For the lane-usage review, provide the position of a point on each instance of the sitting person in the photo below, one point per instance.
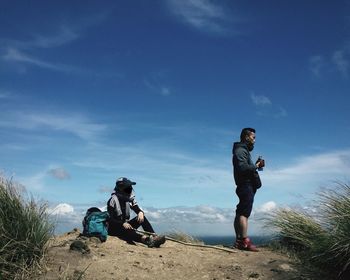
(118, 206)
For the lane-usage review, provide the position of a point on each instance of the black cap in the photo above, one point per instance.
(125, 182)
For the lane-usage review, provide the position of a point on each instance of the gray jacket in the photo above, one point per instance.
(244, 170)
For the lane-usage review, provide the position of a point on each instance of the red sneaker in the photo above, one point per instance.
(246, 244)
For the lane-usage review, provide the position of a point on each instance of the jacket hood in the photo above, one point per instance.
(242, 145)
(124, 196)
(239, 145)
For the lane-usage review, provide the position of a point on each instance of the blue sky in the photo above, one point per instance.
(158, 90)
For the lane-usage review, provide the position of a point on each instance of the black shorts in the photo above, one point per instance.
(246, 195)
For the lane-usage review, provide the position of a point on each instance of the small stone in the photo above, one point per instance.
(80, 246)
(254, 275)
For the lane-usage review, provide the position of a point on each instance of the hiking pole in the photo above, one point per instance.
(187, 243)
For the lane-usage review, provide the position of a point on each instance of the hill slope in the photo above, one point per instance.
(116, 259)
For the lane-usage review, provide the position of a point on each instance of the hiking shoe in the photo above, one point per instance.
(155, 241)
(237, 243)
(245, 244)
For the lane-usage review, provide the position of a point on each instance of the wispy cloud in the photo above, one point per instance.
(265, 107)
(14, 55)
(203, 15)
(22, 53)
(59, 173)
(316, 63)
(64, 36)
(338, 61)
(157, 88)
(341, 62)
(260, 100)
(310, 171)
(77, 125)
(4, 94)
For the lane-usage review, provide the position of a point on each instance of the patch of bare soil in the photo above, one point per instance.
(116, 259)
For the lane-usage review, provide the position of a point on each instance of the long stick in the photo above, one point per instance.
(189, 244)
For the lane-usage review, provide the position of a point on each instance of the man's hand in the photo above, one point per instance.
(260, 163)
(140, 217)
(127, 226)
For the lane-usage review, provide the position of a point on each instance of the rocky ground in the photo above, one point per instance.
(116, 259)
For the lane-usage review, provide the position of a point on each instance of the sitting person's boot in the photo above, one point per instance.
(155, 241)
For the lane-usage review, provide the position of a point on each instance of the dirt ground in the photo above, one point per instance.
(116, 259)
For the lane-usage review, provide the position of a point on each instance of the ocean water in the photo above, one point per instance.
(229, 240)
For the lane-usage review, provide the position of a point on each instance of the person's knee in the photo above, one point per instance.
(244, 209)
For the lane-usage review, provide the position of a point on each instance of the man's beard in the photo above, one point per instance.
(250, 146)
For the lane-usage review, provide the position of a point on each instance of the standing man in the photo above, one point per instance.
(247, 181)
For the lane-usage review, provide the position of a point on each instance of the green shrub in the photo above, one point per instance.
(322, 241)
(24, 231)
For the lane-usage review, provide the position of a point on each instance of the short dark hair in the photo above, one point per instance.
(245, 132)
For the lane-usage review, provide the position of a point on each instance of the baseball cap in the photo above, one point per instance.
(123, 181)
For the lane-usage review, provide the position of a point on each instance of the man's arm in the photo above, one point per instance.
(115, 210)
(243, 162)
(135, 207)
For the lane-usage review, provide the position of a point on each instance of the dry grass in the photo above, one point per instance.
(320, 242)
(24, 232)
(184, 237)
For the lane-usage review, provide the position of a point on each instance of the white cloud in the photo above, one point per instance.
(62, 209)
(203, 15)
(309, 171)
(198, 220)
(194, 215)
(267, 207)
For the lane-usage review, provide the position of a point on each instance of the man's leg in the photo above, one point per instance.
(241, 226)
(146, 225)
(152, 240)
(244, 208)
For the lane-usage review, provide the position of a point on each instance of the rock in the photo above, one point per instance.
(286, 267)
(79, 246)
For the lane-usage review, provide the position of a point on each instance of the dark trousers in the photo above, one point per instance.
(246, 195)
(129, 234)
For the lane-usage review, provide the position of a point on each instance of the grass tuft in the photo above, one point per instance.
(321, 242)
(24, 231)
(184, 237)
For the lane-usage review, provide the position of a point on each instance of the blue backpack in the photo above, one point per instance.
(95, 223)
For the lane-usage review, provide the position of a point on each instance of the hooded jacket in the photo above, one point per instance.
(244, 170)
(119, 205)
